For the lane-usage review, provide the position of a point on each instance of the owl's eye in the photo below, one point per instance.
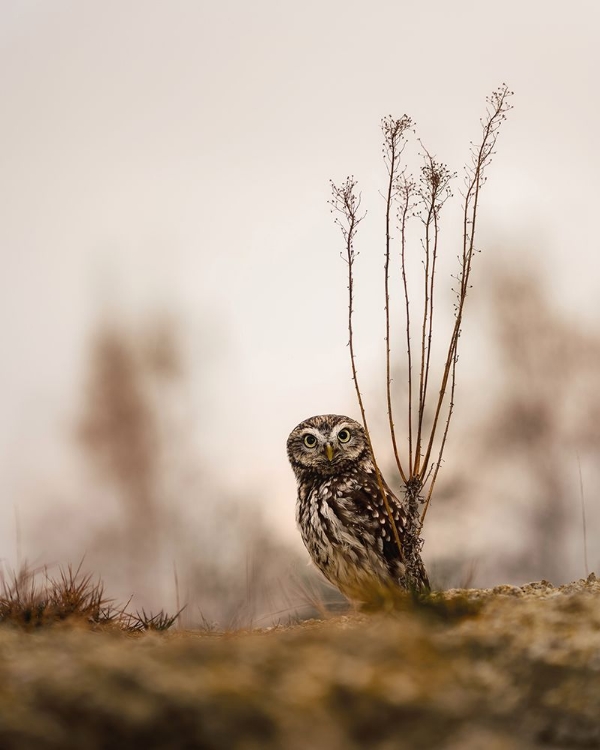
(344, 436)
(310, 441)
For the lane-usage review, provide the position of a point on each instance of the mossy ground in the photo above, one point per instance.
(521, 669)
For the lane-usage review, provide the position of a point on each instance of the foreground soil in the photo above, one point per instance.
(501, 668)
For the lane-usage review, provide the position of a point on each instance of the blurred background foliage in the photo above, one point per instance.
(154, 520)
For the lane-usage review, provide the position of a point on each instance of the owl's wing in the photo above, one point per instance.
(374, 517)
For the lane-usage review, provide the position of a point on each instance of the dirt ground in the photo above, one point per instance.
(478, 669)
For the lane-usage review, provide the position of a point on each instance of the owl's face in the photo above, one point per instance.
(327, 444)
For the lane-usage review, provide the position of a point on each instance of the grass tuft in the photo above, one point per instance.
(31, 598)
(144, 621)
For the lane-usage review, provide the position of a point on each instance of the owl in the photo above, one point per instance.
(342, 517)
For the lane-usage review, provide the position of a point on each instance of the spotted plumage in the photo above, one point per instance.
(341, 514)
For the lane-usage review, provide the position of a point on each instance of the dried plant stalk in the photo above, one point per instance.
(346, 202)
(394, 132)
(481, 156)
(424, 199)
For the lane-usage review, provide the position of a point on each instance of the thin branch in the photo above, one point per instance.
(427, 199)
(433, 193)
(347, 203)
(480, 158)
(442, 446)
(440, 178)
(393, 145)
(406, 188)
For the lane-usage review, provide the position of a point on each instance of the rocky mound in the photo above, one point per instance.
(500, 668)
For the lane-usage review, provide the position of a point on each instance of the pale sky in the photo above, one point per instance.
(176, 155)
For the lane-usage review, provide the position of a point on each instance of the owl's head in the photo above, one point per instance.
(327, 444)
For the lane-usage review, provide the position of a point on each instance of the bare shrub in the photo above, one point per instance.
(427, 417)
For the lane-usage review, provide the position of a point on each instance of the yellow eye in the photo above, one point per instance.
(344, 436)
(310, 440)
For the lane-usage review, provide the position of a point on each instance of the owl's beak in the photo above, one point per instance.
(329, 451)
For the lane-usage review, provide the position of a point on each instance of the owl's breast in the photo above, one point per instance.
(340, 536)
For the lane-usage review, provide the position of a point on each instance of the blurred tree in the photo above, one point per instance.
(177, 527)
(120, 430)
(547, 415)
(511, 500)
